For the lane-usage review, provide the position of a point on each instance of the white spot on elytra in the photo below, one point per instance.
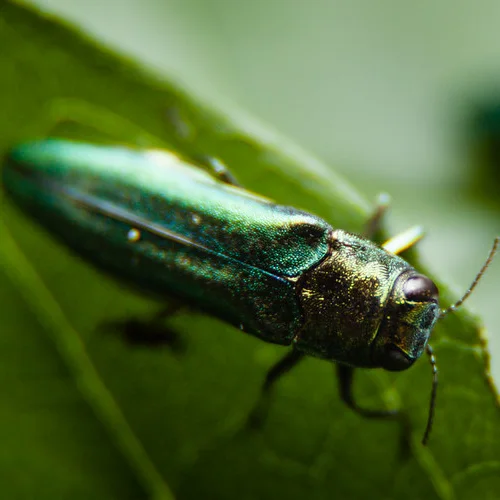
(134, 235)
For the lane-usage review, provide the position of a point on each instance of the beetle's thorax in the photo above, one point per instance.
(343, 299)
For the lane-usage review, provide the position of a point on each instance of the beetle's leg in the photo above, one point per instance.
(283, 366)
(186, 135)
(403, 241)
(399, 243)
(217, 168)
(152, 332)
(61, 116)
(345, 376)
(374, 223)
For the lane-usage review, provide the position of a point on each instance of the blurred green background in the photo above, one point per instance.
(382, 91)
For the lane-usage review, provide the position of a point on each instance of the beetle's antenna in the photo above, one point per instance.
(479, 275)
(432, 405)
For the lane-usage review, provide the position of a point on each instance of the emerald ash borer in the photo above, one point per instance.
(177, 228)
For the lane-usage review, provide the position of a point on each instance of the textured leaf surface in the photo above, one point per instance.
(84, 415)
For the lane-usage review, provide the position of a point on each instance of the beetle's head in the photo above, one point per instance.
(410, 314)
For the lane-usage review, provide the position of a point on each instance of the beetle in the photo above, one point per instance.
(171, 226)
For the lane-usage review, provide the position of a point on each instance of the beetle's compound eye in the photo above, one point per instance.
(419, 288)
(394, 359)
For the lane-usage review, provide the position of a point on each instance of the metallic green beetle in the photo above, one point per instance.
(168, 226)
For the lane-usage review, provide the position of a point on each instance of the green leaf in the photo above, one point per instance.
(83, 415)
